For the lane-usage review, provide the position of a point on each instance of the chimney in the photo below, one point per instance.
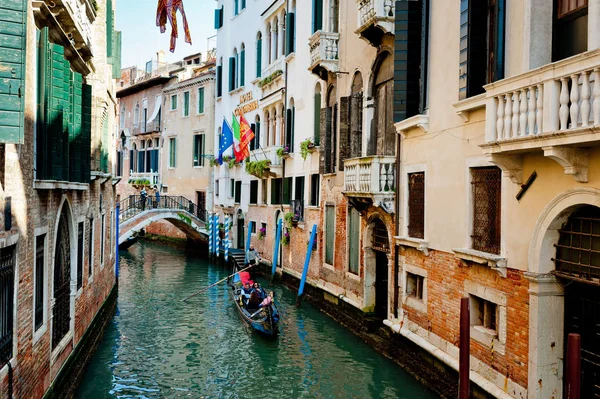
(160, 57)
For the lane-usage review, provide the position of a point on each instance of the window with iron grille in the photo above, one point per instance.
(254, 192)
(91, 247)
(7, 290)
(380, 237)
(416, 205)
(484, 314)
(79, 255)
(486, 196)
(40, 255)
(61, 312)
(578, 247)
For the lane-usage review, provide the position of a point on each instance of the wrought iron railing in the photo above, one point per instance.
(135, 204)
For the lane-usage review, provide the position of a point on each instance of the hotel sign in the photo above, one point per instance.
(247, 104)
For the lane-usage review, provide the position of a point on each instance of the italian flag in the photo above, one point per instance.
(242, 135)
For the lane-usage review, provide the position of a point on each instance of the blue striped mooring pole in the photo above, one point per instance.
(276, 249)
(311, 243)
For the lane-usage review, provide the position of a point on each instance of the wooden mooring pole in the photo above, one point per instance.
(574, 366)
(465, 338)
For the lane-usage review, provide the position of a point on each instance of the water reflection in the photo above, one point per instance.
(157, 346)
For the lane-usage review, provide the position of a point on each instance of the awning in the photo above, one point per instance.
(156, 109)
(126, 132)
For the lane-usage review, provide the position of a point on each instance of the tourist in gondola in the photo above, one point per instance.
(245, 293)
(253, 302)
(259, 291)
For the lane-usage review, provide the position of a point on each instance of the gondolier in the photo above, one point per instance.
(252, 256)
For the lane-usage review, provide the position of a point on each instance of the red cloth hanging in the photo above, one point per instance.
(168, 9)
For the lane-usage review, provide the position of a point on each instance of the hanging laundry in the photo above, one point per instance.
(168, 8)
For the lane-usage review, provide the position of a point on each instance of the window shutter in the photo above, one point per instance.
(288, 128)
(499, 33)
(76, 141)
(86, 132)
(242, 67)
(289, 33)
(356, 110)
(317, 119)
(322, 115)
(258, 57)
(231, 73)
(116, 60)
(257, 136)
(221, 17)
(407, 53)
(13, 15)
(56, 108)
(131, 160)
(344, 141)
(201, 100)
(287, 191)
(328, 138)
(317, 15)
(42, 144)
(219, 81)
(217, 18)
(243, 4)
(292, 145)
(473, 48)
(109, 30)
(253, 142)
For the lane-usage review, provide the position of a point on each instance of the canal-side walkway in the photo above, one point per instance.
(158, 347)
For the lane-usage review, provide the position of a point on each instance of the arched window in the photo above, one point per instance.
(242, 66)
(268, 128)
(356, 117)
(275, 43)
(383, 137)
(289, 124)
(281, 33)
(255, 144)
(136, 115)
(233, 61)
(61, 317)
(258, 54)
(330, 139)
(317, 114)
(269, 39)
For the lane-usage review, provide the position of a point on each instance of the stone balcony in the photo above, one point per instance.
(554, 110)
(371, 181)
(70, 23)
(150, 127)
(152, 177)
(375, 19)
(324, 56)
(269, 153)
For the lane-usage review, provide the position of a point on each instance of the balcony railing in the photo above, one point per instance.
(76, 16)
(324, 53)
(561, 97)
(555, 108)
(375, 18)
(150, 127)
(151, 177)
(370, 175)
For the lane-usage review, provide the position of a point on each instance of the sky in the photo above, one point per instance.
(142, 38)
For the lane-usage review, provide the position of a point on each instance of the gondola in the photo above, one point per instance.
(263, 320)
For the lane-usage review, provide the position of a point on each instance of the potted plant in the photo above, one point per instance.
(231, 162)
(285, 240)
(288, 219)
(283, 151)
(305, 147)
(262, 233)
(258, 168)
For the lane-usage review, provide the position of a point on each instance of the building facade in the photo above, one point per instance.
(166, 111)
(497, 195)
(57, 243)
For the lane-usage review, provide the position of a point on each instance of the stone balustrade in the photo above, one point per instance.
(375, 14)
(370, 175)
(324, 50)
(561, 97)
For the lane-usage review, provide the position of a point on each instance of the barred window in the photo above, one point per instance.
(40, 252)
(7, 290)
(486, 191)
(578, 248)
(380, 237)
(416, 205)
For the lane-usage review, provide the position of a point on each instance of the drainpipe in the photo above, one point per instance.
(397, 207)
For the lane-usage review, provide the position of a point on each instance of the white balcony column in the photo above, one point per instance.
(375, 175)
(551, 93)
(278, 130)
(593, 23)
(491, 118)
(281, 35)
(537, 33)
(273, 43)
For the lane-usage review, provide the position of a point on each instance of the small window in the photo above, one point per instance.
(264, 188)
(186, 103)
(91, 247)
(484, 314)
(217, 187)
(299, 189)
(276, 190)
(231, 188)
(414, 286)
(314, 190)
(486, 198)
(353, 240)
(201, 100)
(238, 192)
(416, 205)
(40, 256)
(174, 101)
(254, 192)
(172, 152)
(253, 231)
(199, 150)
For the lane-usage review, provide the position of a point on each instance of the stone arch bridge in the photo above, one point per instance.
(135, 214)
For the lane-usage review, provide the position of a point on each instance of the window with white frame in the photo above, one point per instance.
(172, 152)
(102, 238)
(91, 248)
(7, 291)
(198, 155)
(174, 102)
(414, 286)
(488, 315)
(414, 293)
(201, 100)
(186, 103)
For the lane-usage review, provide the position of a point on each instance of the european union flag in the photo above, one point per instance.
(226, 140)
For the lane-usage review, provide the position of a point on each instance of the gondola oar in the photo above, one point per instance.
(218, 282)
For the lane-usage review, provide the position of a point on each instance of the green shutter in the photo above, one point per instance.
(116, 60)
(217, 18)
(329, 233)
(109, 30)
(258, 57)
(287, 190)
(219, 80)
(317, 119)
(317, 15)
(75, 142)
(56, 109)
(231, 73)
(201, 100)
(242, 67)
(42, 131)
(86, 131)
(13, 16)
(353, 239)
(289, 33)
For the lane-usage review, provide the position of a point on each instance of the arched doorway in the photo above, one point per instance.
(61, 311)
(240, 230)
(578, 265)
(383, 134)
(376, 251)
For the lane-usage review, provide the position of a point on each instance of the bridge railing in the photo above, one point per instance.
(135, 204)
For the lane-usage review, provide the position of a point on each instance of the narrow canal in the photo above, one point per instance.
(156, 346)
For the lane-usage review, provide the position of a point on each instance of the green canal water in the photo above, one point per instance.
(157, 347)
